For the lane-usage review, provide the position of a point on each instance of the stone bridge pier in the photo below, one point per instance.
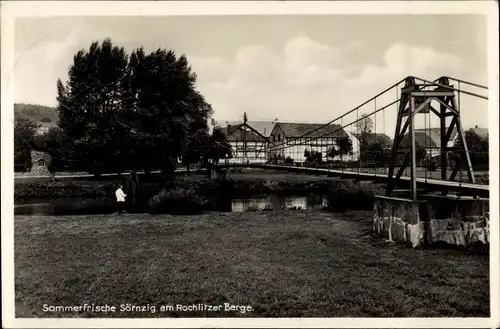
(435, 219)
(218, 172)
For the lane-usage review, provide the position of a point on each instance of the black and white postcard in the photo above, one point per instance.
(250, 164)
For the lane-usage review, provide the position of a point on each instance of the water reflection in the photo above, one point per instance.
(275, 202)
(107, 205)
(67, 206)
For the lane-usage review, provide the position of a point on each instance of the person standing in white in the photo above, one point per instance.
(120, 199)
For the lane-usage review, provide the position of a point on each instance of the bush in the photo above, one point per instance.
(177, 201)
(349, 196)
(430, 164)
(483, 179)
(289, 161)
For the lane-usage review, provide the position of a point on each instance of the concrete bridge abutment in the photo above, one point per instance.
(217, 173)
(433, 220)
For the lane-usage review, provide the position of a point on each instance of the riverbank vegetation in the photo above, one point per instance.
(281, 263)
(176, 201)
(341, 194)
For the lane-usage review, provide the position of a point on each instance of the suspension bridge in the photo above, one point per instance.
(410, 135)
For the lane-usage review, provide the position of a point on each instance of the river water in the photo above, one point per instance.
(82, 206)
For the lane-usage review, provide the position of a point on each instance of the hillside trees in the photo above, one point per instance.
(137, 112)
(35, 112)
(24, 135)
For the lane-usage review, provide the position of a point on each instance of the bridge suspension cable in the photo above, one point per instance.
(343, 115)
(429, 83)
(466, 82)
(340, 128)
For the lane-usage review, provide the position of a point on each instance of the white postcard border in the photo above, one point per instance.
(11, 10)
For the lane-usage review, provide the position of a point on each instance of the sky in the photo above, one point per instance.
(291, 68)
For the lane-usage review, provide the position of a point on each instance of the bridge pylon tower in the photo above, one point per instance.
(418, 99)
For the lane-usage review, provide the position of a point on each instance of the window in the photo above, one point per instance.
(274, 138)
(279, 138)
(41, 162)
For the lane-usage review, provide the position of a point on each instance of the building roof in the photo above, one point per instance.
(421, 138)
(483, 132)
(435, 134)
(263, 127)
(372, 138)
(316, 129)
(236, 133)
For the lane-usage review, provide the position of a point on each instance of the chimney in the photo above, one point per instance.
(265, 132)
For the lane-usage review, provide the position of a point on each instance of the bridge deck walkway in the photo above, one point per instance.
(467, 188)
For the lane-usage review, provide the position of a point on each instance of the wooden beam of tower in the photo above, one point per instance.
(448, 133)
(407, 122)
(444, 141)
(398, 138)
(395, 144)
(398, 175)
(436, 112)
(452, 110)
(413, 172)
(470, 172)
(432, 93)
(455, 169)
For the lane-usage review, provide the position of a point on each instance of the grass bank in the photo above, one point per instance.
(281, 263)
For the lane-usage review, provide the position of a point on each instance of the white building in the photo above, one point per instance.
(291, 140)
(431, 140)
(44, 127)
(247, 144)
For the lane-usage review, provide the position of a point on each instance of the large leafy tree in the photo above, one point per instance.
(24, 135)
(196, 149)
(170, 117)
(90, 104)
(218, 146)
(141, 112)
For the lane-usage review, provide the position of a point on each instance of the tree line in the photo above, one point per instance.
(36, 112)
(122, 112)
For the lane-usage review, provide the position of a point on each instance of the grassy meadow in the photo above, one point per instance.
(281, 263)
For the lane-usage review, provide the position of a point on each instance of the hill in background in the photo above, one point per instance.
(37, 113)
